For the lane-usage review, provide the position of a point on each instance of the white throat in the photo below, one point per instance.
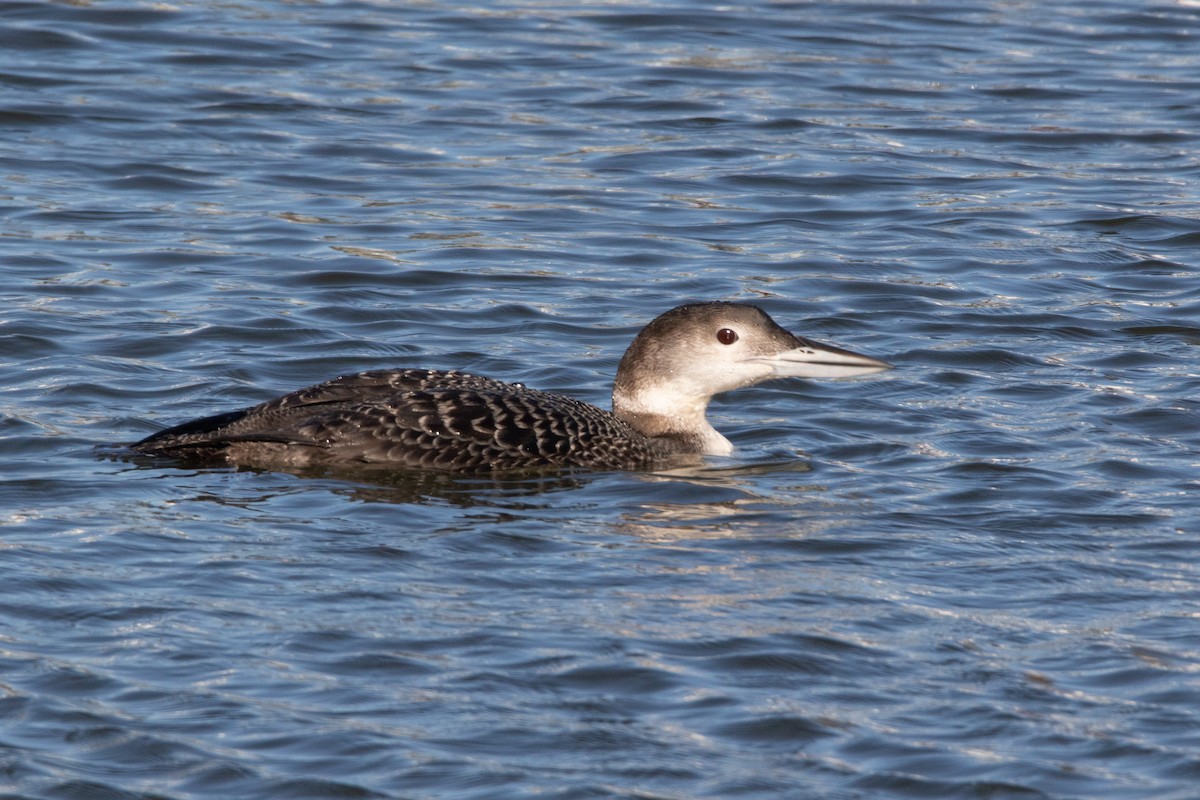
(658, 411)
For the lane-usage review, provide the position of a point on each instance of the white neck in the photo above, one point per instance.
(657, 412)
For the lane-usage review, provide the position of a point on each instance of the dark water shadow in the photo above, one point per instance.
(382, 484)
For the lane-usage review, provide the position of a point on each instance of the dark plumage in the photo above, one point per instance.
(416, 418)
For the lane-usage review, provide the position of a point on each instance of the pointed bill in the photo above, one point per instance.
(815, 360)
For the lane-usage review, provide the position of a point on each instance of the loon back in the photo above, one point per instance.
(419, 419)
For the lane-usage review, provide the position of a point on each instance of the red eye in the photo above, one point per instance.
(727, 336)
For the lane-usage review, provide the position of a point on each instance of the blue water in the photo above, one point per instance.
(972, 577)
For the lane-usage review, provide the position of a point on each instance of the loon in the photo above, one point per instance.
(458, 422)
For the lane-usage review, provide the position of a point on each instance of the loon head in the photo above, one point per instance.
(685, 356)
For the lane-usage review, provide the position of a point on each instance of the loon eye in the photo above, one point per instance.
(727, 336)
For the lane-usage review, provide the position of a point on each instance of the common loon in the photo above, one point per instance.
(458, 422)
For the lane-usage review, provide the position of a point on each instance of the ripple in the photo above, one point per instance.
(969, 577)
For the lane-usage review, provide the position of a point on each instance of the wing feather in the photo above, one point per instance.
(416, 418)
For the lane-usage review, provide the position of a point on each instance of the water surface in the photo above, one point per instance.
(974, 576)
